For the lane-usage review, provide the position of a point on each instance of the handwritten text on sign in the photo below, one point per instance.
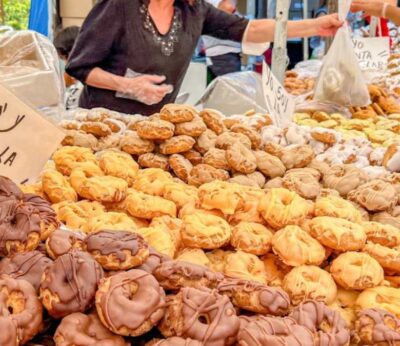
(26, 138)
(372, 52)
(279, 103)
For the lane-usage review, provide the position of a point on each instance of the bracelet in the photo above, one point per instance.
(384, 9)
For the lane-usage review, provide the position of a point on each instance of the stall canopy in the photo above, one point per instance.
(39, 16)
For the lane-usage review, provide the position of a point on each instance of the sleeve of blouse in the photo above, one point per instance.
(96, 38)
(222, 25)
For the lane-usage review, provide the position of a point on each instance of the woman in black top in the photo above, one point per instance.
(142, 48)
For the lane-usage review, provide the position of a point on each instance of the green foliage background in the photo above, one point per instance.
(16, 13)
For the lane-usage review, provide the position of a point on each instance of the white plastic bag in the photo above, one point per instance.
(341, 80)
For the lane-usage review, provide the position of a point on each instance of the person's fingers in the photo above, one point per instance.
(154, 79)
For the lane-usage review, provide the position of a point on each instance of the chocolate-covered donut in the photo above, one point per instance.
(153, 261)
(130, 303)
(8, 188)
(27, 266)
(85, 330)
(174, 275)
(63, 241)
(315, 316)
(175, 341)
(69, 284)
(117, 250)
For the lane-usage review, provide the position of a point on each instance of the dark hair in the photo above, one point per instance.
(65, 40)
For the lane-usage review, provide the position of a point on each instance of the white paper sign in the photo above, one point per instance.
(27, 139)
(280, 104)
(372, 52)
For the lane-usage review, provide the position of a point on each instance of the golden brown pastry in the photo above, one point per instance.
(217, 259)
(276, 269)
(241, 159)
(202, 174)
(110, 221)
(252, 134)
(151, 181)
(344, 178)
(176, 114)
(180, 194)
(193, 128)
(382, 234)
(206, 141)
(388, 258)
(155, 129)
(153, 160)
(297, 156)
(216, 158)
(303, 183)
(381, 297)
(57, 187)
(176, 145)
(132, 144)
(337, 207)
(214, 120)
(66, 158)
(180, 166)
(226, 139)
(252, 238)
(195, 256)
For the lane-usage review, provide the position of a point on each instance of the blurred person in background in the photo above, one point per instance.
(386, 10)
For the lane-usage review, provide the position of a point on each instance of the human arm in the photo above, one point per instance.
(383, 9)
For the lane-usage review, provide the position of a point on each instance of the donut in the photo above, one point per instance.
(344, 178)
(203, 173)
(69, 284)
(385, 235)
(356, 271)
(20, 305)
(151, 181)
(388, 258)
(241, 159)
(320, 166)
(206, 141)
(255, 297)
(155, 129)
(337, 207)
(193, 156)
(338, 234)
(377, 327)
(245, 266)
(118, 164)
(85, 330)
(130, 303)
(66, 158)
(153, 261)
(117, 250)
(176, 145)
(251, 237)
(310, 282)
(194, 256)
(193, 128)
(111, 221)
(202, 315)
(297, 156)
(62, 241)
(328, 326)
(244, 180)
(174, 275)
(227, 139)
(281, 207)
(376, 195)
(79, 138)
(253, 135)
(57, 187)
(180, 194)
(274, 331)
(175, 341)
(248, 209)
(205, 231)
(303, 183)
(180, 166)
(96, 128)
(303, 248)
(171, 224)
(9, 189)
(381, 297)
(176, 114)
(161, 239)
(391, 158)
(217, 260)
(216, 158)
(153, 160)
(275, 269)
(132, 144)
(214, 120)
(386, 219)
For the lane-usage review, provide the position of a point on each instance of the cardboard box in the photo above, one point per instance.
(66, 22)
(75, 8)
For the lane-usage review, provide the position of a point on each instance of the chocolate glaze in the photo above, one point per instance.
(153, 261)
(176, 341)
(62, 241)
(115, 243)
(8, 188)
(27, 266)
(312, 314)
(46, 212)
(72, 277)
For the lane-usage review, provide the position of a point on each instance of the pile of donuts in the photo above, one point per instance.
(298, 86)
(112, 287)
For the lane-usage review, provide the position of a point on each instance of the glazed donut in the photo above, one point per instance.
(57, 187)
(202, 174)
(96, 128)
(320, 166)
(379, 233)
(386, 219)
(338, 234)
(153, 160)
(193, 128)
(174, 275)
(175, 341)
(297, 156)
(381, 297)
(377, 327)
(62, 241)
(247, 210)
(79, 139)
(194, 256)
(388, 258)
(9, 189)
(66, 158)
(225, 140)
(303, 183)
(310, 282)
(245, 266)
(252, 134)
(176, 114)
(176, 145)
(130, 303)
(255, 297)
(132, 144)
(217, 260)
(118, 164)
(245, 180)
(85, 330)
(251, 237)
(356, 271)
(216, 158)
(117, 250)
(214, 120)
(303, 248)
(110, 221)
(180, 166)
(337, 207)
(155, 129)
(27, 266)
(20, 305)
(194, 207)
(69, 284)
(281, 207)
(344, 178)
(180, 194)
(241, 159)
(109, 142)
(202, 315)
(326, 324)
(171, 224)
(151, 181)
(276, 270)
(376, 195)
(161, 239)
(153, 261)
(206, 141)
(193, 156)
(274, 331)
(205, 231)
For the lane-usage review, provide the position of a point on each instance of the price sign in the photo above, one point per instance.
(27, 139)
(280, 104)
(372, 52)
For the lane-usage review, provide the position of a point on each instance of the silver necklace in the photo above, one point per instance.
(166, 42)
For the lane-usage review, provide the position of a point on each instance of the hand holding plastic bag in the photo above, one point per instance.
(341, 80)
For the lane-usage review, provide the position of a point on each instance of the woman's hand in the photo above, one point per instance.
(371, 7)
(327, 25)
